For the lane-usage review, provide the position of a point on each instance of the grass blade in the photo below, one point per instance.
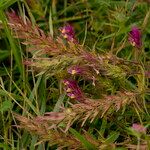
(85, 143)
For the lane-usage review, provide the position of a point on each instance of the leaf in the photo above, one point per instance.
(82, 139)
(59, 103)
(16, 53)
(131, 131)
(103, 126)
(4, 54)
(112, 137)
(6, 105)
(4, 146)
(6, 3)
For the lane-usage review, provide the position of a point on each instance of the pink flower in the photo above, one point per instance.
(68, 33)
(138, 128)
(73, 90)
(75, 70)
(135, 37)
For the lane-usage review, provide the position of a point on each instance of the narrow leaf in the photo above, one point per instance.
(83, 140)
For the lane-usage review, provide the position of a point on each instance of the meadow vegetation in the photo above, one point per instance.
(75, 74)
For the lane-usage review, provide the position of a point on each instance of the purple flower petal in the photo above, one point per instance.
(75, 70)
(68, 33)
(135, 37)
(73, 90)
(139, 128)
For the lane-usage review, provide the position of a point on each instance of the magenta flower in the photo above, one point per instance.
(135, 37)
(73, 90)
(68, 33)
(139, 128)
(75, 70)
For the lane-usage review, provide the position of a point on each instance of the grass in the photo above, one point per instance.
(88, 90)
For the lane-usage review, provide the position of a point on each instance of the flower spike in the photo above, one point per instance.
(73, 90)
(135, 37)
(68, 33)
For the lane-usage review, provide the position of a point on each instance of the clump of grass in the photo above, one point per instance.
(82, 97)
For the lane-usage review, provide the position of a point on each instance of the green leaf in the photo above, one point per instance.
(4, 146)
(112, 137)
(82, 139)
(6, 105)
(16, 53)
(133, 132)
(59, 103)
(103, 126)
(6, 3)
(4, 54)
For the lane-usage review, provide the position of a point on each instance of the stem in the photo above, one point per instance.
(138, 115)
(138, 144)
